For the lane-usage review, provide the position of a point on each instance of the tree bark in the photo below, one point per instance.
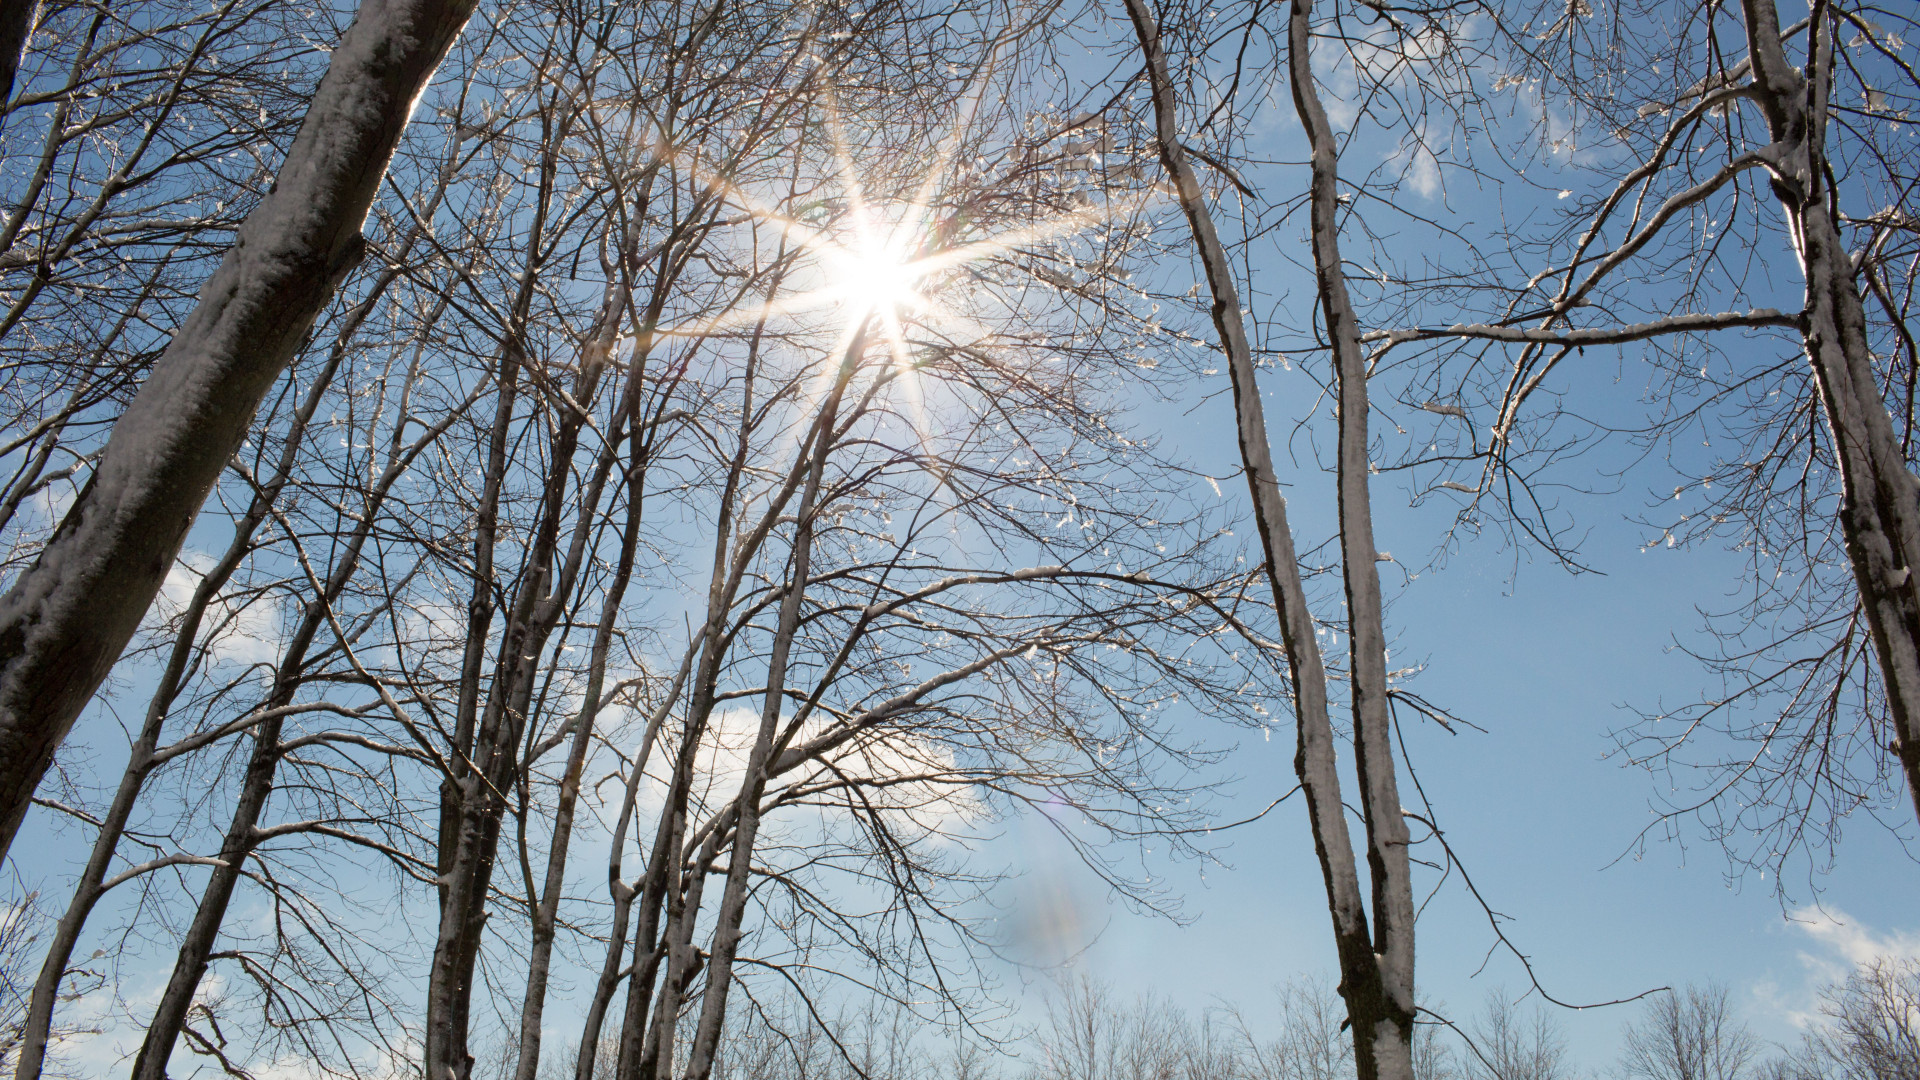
(545, 916)
(448, 995)
(733, 902)
(66, 619)
(1880, 515)
(16, 26)
(1376, 963)
(1376, 973)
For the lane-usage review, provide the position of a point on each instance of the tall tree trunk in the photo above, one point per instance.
(66, 619)
(622, 894)
(1377, 976)
(1880, 515)
(546, 914)
(546, 583)
(16, 26)
(681, 959)
(662, 879)
(703, 658)
(733, 902)
(485, 748)
(664, 893)
(1375, 979)
(243, 831)
(448, 996)
(661, 875)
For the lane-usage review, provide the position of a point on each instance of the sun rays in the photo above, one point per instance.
(894, 262)
(892, 270)
(876, 279)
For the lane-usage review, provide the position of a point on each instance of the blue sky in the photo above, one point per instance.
(1548, 663)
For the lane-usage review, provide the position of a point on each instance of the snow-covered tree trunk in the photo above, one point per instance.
(16, 25)
(496, 754)
(546, 913)
(1880, 516)
(1377, 979)
(1376, 961)
(66, 619)
(733, 903)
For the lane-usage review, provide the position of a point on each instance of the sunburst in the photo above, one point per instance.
(874, 275)
(885, 265)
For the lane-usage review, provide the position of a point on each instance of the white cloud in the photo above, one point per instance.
(434, 622)
(722, 767)
(1419, 168)
(244, 631)
(1837, 943)
(1846, 942)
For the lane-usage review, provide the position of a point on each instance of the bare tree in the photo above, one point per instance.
(1375, 941)
(1091, 1035)
(66, 619)
(1511, 1045)
(1880, 511)
(730, 471)
(1689, 1034)
(1873, 1030)
(1312, 1043)
(1810, 471)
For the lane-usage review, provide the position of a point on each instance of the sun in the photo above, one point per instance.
(883, 267)
(871, 276)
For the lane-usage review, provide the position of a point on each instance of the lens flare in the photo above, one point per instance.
(872, 278)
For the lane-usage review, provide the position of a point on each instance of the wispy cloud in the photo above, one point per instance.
(1836, 943)
(1843, 943)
